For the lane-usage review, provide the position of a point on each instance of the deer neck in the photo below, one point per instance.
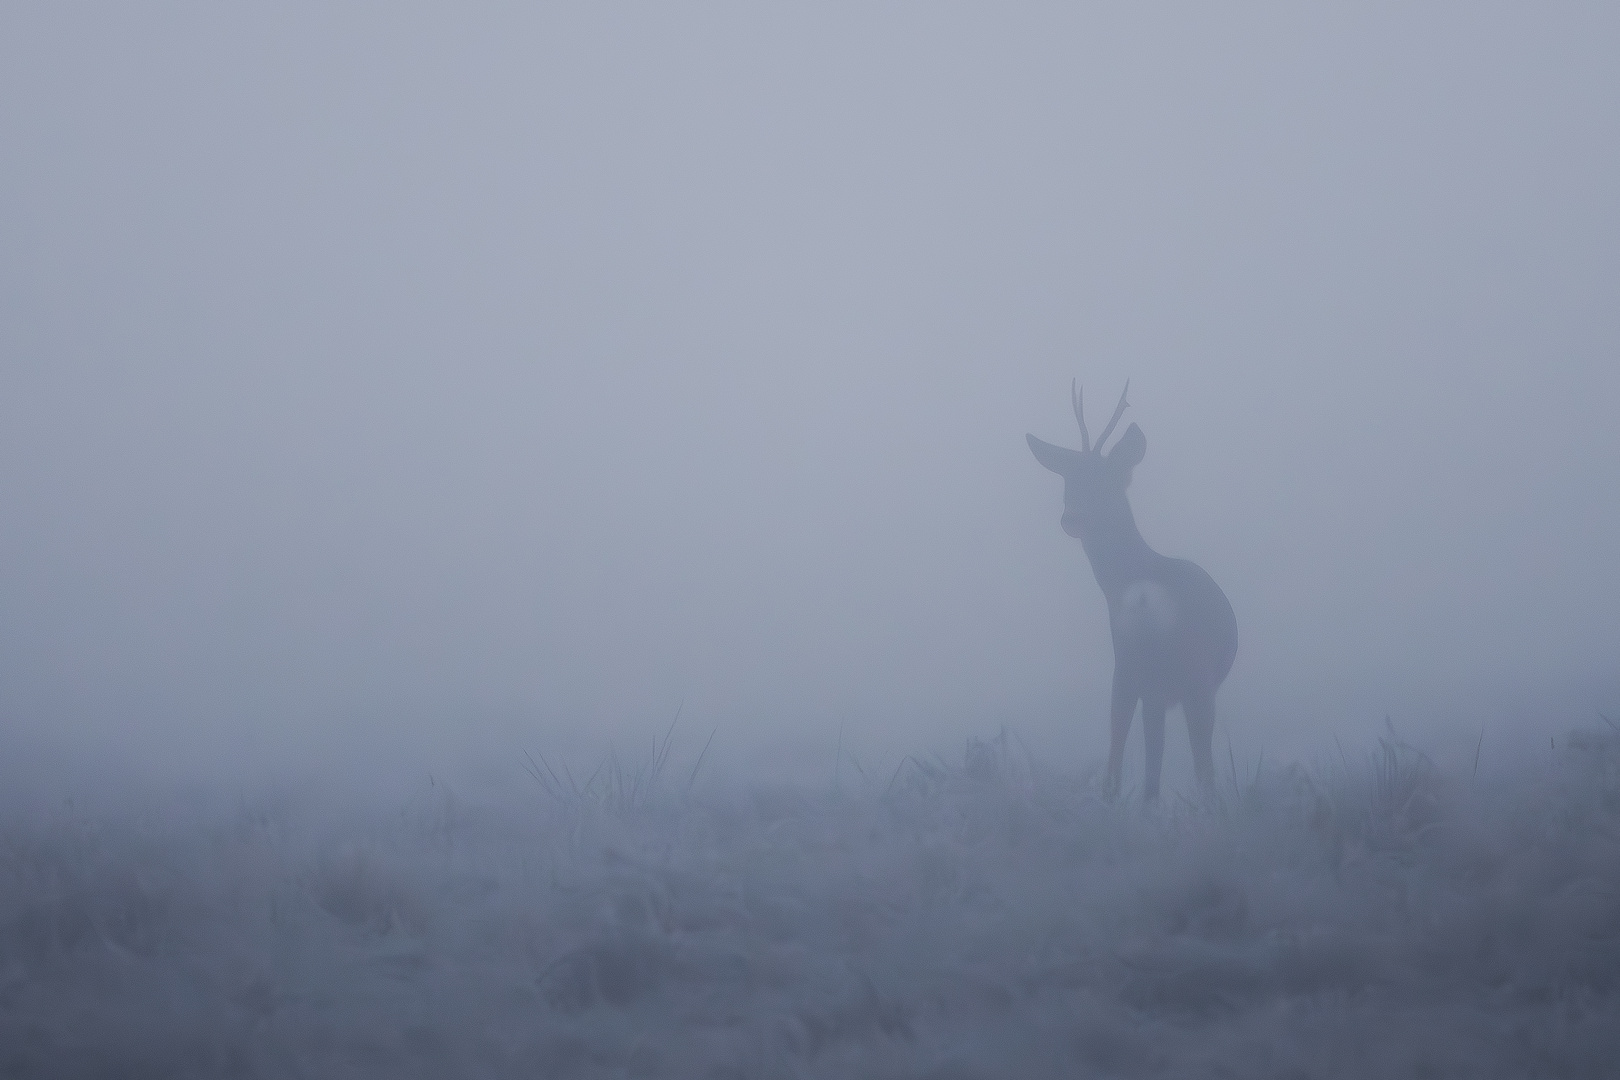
(1118, 554)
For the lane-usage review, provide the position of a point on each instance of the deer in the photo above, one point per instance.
(1174, 631)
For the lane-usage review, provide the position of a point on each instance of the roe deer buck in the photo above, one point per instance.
(1175, 636)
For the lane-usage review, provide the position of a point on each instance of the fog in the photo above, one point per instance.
(400, 378)
(387, 391)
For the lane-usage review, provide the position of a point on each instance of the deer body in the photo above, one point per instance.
(1174, 632)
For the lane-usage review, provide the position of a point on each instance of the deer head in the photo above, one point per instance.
(1094, 483)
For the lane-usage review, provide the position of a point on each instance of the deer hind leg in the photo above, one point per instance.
(1200, 710)
(1153, 710)
(1121, 712)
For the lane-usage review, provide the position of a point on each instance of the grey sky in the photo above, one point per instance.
(424, 376)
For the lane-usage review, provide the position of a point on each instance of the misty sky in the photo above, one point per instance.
(456, 375)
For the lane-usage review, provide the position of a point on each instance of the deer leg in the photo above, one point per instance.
(1121, 712)
(1200, 710)
(1153, 710)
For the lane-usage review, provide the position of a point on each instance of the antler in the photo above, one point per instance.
(1078, 397)
(1119, 410)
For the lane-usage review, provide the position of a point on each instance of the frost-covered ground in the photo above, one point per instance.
(981, 919)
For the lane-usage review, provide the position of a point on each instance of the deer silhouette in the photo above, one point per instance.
(1175, 636)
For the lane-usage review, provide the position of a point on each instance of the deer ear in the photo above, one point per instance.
(1059, 459)
(1127, 454)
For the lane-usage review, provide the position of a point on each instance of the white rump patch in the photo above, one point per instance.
(1146, 607)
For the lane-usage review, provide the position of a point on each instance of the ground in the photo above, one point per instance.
(974, 918)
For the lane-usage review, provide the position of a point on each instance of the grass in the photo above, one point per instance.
(615, 784)
(972, 915)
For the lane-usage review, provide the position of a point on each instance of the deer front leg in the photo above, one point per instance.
(1153, 710)
(1121, 711)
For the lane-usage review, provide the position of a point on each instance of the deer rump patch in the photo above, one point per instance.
(1146, 610)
